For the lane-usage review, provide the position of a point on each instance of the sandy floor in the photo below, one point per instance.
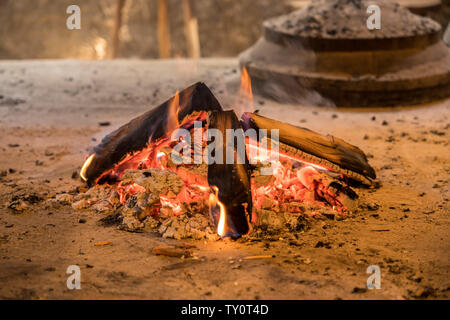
(49, 115)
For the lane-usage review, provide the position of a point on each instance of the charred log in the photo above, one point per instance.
(232, 180)
(136, 134)
(329, 151)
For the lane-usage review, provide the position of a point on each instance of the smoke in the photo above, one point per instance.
(280, 72)
(288, 90)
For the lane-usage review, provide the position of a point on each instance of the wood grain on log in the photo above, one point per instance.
(335, 150)
(232, 180)
(135, 135)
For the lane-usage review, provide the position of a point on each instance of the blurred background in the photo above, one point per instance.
(143, 28)
(37, 29)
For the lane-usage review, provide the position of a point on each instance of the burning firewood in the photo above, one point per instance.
(152, 125)
(258, 257)
(327, 151)
(155, 181)
(102, 243)
(232, 180)
(172, 251)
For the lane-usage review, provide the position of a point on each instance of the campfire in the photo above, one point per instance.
(189, 169)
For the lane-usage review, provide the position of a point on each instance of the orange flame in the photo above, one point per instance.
(172, 116)
(86, 164)
(245, 91)
(214, 201)
(221, 224)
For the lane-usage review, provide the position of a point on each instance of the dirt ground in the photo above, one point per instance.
(49, 115)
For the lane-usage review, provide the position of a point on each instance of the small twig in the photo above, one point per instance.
(171, 251)
(116, 28)
(258, 257)
(102, 243)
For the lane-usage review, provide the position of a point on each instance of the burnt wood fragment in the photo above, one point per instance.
(340, 155)
(136, 134)
(232, 180)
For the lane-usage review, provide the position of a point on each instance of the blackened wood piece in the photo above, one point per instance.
(328, 147)
(233, 180)
(135, 135)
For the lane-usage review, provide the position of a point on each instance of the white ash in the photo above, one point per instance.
(155, 181)
(143, 211)
(137, 214)
(64, 198)
(342, 19)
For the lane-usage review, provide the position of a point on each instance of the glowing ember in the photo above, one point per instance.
(293, 185)
(221, 224)
(173, 205)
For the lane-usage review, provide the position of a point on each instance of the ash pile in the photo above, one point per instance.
(327, 50)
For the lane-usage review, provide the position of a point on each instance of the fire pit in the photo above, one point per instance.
(189, 169)
(328, 48)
